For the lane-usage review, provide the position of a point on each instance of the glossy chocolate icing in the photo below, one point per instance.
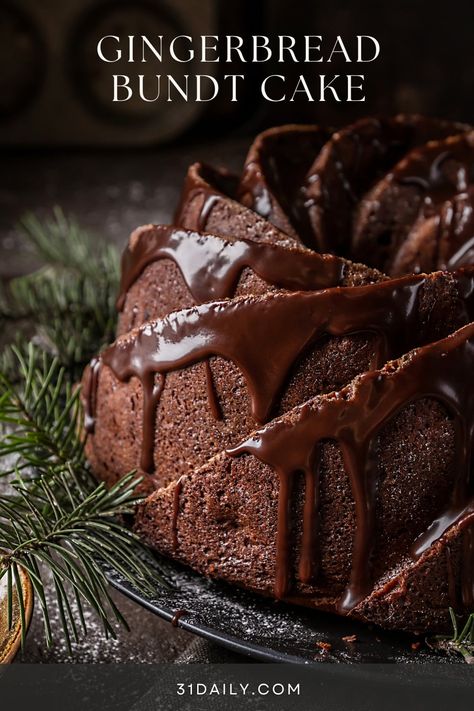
(205, 192)
(444, 240)
(265, 337)
(440, 170)
(211, 266)
(352, 160)
(208, 185)
(275, 169)
(353, 417)
(419, 215)
(248, 332)
(456, 232)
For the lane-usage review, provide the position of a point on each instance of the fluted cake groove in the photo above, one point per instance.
(302, 422)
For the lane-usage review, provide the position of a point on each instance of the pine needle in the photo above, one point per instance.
(462, 640)
(56, 521)
(69, 303)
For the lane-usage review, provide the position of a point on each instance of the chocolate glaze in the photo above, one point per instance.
(443, 241)
(90, 395)
(212, 398)
(456, 231)
(460, 513)
(203, 192)
(441, 169)
(176, 502)
(248, 332)
(274, 170)
(207, 185)
(211, 266)
(419, 215)
(177, 616)
(353, 418)
(152, 389)
(351, 162)
(206, 209)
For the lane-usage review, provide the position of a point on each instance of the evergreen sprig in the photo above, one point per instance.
(69, 303)
(462, 640)
(56, 522)
(39, 414)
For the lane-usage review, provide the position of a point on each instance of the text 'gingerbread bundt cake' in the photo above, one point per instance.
(303, 423)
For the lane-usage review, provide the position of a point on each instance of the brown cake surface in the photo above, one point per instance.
(421, 185)
(351, 161)
(166, 268)
(229, 323)
(210, 365)
(227, 519)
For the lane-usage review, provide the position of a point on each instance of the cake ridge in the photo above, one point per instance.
(424, 185)
(247, 331)
(241, 343)
(212, 265)
(353, 417)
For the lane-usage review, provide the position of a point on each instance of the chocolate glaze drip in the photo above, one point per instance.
(456, 232)
(211, 266)
(275, 169)
(177, 616)
(248, 332)
(208, 185)
(440, 170)
(351, 162)
(308, 561)
(353, 418)
(176, 502)
(90, 395)
(461, 515)
(203, 191)
(439, 166)
(152, 389)
(443, 241)
(206, 210)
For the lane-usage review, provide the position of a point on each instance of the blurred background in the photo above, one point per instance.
(54, 90)
(117, 165)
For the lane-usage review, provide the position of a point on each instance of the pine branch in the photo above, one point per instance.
(52, 528)
(70, 302)
(55, 518)
(462, 640)
(61, 243)
(40, 418)
(56, 522)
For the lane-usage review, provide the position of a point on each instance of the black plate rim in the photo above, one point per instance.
(222, 638)
(389, 672)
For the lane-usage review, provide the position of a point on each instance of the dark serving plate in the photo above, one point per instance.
(276, 632)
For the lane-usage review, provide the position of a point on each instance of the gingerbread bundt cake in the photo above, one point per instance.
(303, 423)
